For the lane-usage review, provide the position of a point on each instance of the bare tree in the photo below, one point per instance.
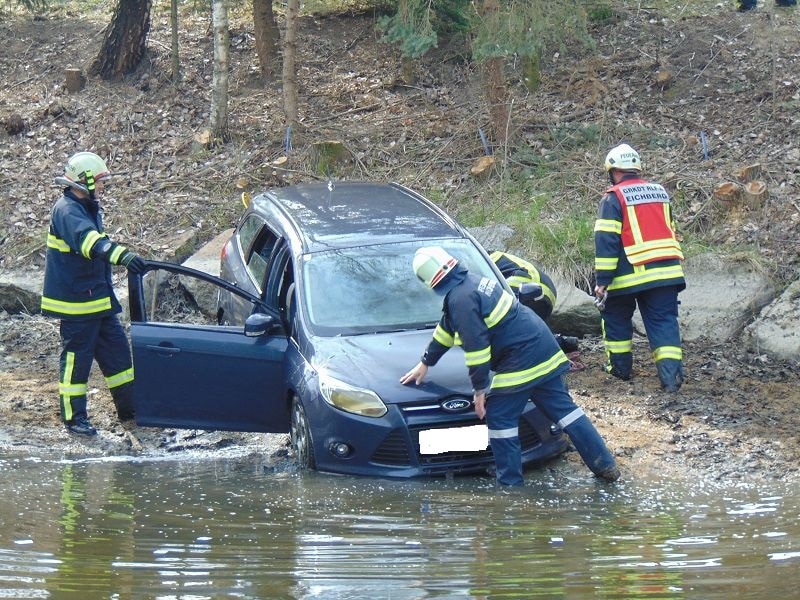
(289, 58)
(176, 60)
(219, 82)
(125, 40)
(494, 81)
(266, 33)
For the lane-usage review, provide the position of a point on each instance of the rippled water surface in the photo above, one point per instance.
(233, 529)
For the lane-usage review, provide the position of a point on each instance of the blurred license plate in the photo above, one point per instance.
(473, 438)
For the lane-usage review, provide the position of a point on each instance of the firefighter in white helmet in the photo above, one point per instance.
(638, 262)
(500, 336)
(79, 292)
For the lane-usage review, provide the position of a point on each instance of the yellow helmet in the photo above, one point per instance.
(431, 264)
(83, 163)
(623, 158)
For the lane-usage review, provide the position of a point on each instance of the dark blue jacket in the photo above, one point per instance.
(77, 285)
(497, 334)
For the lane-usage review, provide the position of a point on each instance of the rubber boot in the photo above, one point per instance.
(670, 372)
(743, 5)
(620, 365)
(123, 401)
(593, 449)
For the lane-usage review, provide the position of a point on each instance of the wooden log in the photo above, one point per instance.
(755, 192)
(74, 80)
(728, 193)
(482, 166)
(749, 173)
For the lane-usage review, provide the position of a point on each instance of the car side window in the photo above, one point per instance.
(260, 250)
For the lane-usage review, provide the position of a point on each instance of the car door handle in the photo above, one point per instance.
(163, 349)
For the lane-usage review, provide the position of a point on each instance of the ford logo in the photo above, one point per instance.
(455, 405)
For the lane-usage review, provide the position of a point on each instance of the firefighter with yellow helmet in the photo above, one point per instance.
(511, 356)
(78, 290)
(638, 263)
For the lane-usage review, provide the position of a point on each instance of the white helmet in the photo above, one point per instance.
(431, 264)
(623, 158)
(82, 171)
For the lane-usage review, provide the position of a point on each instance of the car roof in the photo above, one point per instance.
(345, 214)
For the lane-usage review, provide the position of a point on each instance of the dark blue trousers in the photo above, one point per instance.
(552, 397)
(103, 340)
(659, 310)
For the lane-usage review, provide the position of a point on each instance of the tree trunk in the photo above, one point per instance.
(266, 33)
(494, 84)
(289, 58)
(176, 59)
(219, 83)
(125, 40)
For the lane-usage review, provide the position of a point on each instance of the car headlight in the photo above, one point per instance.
(349, 398)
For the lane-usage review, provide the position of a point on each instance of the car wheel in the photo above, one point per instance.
(301, 436)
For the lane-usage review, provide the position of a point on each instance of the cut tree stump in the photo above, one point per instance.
(755, 193)
(728, 193)
(482, 166)
(74, 80)
(749, 173)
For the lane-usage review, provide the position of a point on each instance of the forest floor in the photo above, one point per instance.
(735, 77)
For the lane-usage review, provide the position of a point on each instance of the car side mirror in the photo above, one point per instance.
(258, 324)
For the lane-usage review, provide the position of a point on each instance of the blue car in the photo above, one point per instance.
(315, 318)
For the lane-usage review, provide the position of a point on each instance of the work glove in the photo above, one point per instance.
(133, 262)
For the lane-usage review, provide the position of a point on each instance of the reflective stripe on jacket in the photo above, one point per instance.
(635, 244)
(76, 285)
(518, 271)
(497, 334)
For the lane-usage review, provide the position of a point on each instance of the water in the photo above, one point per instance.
(231, 528)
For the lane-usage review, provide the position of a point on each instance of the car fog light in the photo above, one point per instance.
(555, 429)
(340, 449)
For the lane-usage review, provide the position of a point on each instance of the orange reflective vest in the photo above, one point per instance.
(647, 231)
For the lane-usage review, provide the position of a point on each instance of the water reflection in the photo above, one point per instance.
(231, 528)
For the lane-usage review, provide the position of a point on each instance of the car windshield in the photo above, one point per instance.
(372, 289)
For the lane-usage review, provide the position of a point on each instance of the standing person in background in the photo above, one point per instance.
(501, 336)
(638, 261)
(78, 291)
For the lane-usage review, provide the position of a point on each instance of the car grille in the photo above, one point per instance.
(394, 450)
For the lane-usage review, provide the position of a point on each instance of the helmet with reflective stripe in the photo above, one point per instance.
(623, 158)
(82, 171)
(432, 264)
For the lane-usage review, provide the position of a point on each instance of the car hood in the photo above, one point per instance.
(378, 361)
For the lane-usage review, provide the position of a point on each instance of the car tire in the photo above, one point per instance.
(301, 436)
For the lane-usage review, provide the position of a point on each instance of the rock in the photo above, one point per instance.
(777, 329)
(206, 259)
(721, 297)
(492, 237)
(21, 291)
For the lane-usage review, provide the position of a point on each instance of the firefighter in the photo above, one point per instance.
(535, 289)
(638, 262)
(500, 336)
(79, 292)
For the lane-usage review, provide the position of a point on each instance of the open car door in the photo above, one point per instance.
(190, 372)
